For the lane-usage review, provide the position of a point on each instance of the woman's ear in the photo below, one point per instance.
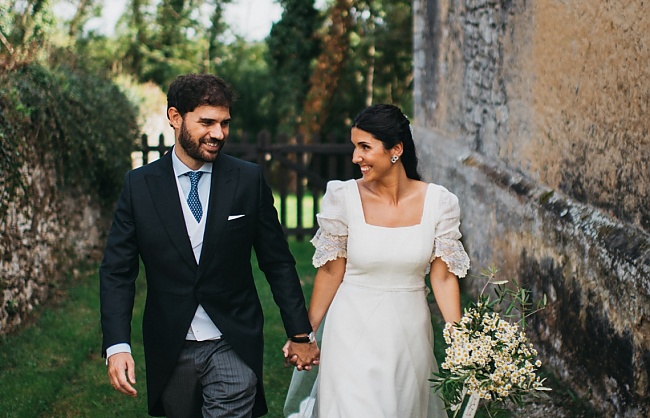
(398, 149)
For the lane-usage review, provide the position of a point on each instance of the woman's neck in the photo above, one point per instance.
(390, 188)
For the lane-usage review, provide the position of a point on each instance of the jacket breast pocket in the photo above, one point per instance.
(238, 222)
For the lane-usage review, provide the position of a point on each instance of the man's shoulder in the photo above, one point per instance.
(231, 161)
(152, 167)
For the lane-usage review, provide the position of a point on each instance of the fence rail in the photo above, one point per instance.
(293, 167)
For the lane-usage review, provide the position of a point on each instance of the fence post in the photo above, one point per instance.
(317, 162)
(349, 168)
(284, 187)
(300, 160)
(144, 143)
(332, 161)
(264, 155)
(161, 145)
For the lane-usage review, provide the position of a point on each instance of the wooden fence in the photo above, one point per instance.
(293, 168)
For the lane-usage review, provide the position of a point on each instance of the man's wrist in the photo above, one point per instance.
(116, 349)
(304, 338)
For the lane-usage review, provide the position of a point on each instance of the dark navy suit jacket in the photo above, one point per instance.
(149, 224)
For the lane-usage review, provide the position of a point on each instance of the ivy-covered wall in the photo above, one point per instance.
(536, 115)
(66, 140)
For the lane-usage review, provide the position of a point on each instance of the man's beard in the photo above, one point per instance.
(193, 148)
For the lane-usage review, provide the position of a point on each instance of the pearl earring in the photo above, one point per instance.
(394, 159)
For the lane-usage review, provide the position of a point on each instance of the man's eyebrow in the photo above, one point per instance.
(211, 120)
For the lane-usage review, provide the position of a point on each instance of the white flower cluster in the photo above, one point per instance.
(492, 355)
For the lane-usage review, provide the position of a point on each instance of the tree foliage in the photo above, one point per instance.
(82, 124)
(326, 76)
(313, 73)
(292, 45)
(85, 9)
(389, 34)
(366, 58)
(243, 64)
(24, 27)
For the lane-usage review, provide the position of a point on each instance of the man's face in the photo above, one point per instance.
(201, 134)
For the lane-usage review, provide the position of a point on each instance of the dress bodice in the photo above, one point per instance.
(386, 257)
(385, 251)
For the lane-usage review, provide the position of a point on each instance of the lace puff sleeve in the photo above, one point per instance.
(447, 243)
(331, 239)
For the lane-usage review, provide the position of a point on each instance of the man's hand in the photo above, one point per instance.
(301, 355)
(120, 368)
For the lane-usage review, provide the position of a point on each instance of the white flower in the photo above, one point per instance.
(488, 356)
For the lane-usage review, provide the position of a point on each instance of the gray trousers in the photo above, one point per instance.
(210, 380)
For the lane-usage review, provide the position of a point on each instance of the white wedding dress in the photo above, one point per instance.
(377, 343)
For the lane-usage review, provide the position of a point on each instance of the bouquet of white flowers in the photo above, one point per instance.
(488, 356)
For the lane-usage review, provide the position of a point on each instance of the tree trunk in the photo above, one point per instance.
(326, 75)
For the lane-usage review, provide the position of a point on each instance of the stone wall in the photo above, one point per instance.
(535, 115)
(46, 234)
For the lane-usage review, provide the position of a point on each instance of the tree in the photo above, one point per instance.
(138, 40)
(392, 33)
(374, 66)
(84, 10)
(327, 73)
(217, 28)
(24, 27)
(292, 46)
(243, 65)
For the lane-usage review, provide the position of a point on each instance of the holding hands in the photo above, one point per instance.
(302, 352)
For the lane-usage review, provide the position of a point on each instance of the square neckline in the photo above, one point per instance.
(363, 215)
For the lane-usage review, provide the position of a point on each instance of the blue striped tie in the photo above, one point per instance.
(193, 198)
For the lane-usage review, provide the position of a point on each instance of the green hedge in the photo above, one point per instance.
(84, 124)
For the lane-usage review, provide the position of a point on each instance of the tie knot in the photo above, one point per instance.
(194, 177)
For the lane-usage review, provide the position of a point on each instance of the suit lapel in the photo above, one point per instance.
(222, 194)
(167, 203)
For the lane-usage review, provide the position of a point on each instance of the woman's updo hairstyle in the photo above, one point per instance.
(388, 124)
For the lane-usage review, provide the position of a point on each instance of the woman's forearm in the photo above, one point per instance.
(446, 291)
(326, 284)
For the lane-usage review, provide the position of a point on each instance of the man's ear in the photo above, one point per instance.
(175, 118)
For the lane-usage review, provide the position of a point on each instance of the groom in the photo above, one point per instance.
(193, 218)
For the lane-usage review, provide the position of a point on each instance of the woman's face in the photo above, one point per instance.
(370, 154)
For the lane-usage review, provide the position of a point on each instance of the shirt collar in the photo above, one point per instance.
(180, 168)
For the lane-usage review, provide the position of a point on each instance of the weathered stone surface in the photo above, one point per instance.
(46, 231)
(535, 115)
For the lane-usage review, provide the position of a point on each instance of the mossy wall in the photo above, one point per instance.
(535, 115)
(66, 142)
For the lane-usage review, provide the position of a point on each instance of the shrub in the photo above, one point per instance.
(83, 123)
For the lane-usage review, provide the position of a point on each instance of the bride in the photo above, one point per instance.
(378, 237)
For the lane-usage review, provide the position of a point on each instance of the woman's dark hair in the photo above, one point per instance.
(388, 124)
(187, 92)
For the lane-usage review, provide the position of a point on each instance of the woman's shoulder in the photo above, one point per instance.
(335, 193)
(336, 189)
(440, 189)
(337, 185)
(442, 195)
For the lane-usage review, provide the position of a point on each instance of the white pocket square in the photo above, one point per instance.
(231, 217)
